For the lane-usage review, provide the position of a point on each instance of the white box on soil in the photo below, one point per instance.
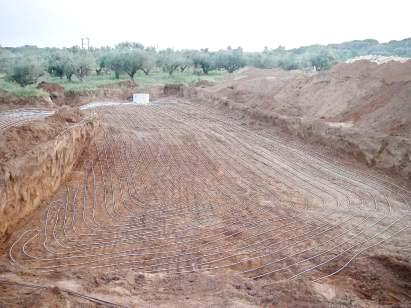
(141, 98)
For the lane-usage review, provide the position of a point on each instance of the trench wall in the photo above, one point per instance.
(36, 175)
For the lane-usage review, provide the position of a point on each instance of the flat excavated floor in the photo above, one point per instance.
(174, 190)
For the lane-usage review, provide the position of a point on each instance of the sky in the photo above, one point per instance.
(213, 24)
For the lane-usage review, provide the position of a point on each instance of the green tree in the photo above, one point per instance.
(149, 62)
(187, 60)
(6, 60)
(129, 45)
(25, 72)
(84, 64)
(322, 61)
(132, 61)
(230, 60)
(115, 63)
(205, 61)
(288, 62)
(55, 64)
(69, 65)
(170, 61)
(102, 63)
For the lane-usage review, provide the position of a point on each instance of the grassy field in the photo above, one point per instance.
(91, 83)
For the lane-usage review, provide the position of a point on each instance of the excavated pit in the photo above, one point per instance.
(176, 202)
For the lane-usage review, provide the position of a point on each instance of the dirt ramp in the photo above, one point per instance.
(36, 158)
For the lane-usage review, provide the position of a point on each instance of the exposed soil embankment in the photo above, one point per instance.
(58, 96)
(36, 158)
(13, 102)
(360, 108)
(122, 91)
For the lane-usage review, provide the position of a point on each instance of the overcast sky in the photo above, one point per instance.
(215, 24)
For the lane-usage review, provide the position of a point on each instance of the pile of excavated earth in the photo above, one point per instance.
(271, 188)
(361, 108)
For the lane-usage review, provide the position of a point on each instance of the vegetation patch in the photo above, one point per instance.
(83, 71)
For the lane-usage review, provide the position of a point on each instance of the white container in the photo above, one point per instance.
(141, 98)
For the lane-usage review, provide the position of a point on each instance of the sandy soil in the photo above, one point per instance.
(371, 97)
(179, 204)
(22, 129)
(361, 108)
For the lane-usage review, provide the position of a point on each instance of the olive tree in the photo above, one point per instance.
(205, 61)
(132, 61)
(187, 59)
(115, 63)
(169, 61)
(25, 72)
(6, 60)
(230, 60)
(102, 63)
(129, 45)
(322, 61)
(149, 62)
(55, 64)
(84, 64)
(69, 66)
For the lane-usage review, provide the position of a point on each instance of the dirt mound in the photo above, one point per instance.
(111, 93)
(204, 83)
(17, 140)
(55, 90)
(68, 114)
(172, 89)
(13, 102)
(362, 99)
(120, 84)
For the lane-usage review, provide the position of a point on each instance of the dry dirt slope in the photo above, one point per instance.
(362, 107)
(177, 204)
(364, 94)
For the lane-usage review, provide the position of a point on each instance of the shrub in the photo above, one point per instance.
(25, 72)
